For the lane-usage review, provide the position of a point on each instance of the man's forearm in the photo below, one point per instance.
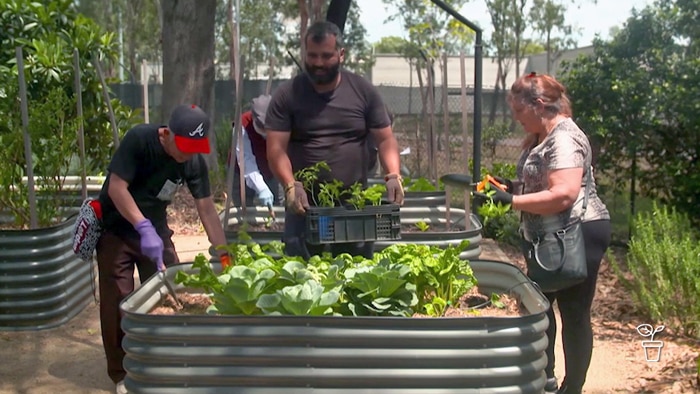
(281, 167)
(124, 201)
(211, 222)
(389, 155)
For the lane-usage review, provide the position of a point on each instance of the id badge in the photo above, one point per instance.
(167, 191)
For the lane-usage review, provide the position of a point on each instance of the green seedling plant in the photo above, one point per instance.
(441, 277)
(359, 197)
(496, 301)
(330, 193)
(490, 210)
(422, 226)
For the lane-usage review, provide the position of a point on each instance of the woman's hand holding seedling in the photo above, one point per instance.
(491, 189)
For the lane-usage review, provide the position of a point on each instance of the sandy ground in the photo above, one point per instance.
(70, 359)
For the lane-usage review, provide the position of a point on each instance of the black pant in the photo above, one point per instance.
(116, 259)
(295, 241)
(575, 311)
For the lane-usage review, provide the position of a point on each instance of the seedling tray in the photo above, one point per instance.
(346, 224)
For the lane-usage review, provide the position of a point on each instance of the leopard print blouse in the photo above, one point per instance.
(565, 147)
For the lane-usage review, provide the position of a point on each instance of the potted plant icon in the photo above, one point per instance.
(652, 348)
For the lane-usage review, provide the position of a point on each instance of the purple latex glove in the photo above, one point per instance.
(151, 243)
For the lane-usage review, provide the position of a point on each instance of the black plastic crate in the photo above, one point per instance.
(347, 224)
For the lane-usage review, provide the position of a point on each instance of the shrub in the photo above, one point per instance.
(48, 33)
(663, 261)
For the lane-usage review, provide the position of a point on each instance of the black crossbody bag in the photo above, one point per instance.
(556, 257)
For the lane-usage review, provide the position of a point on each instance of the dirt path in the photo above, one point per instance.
(70, 359)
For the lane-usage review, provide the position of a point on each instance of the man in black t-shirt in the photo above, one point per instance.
(149, 166)
(326, 114)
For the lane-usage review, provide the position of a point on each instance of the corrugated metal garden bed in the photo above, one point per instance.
(328, 354)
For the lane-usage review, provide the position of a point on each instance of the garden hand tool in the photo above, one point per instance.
(170, 288)
(272, 213)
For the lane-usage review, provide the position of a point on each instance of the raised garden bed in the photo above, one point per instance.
(435, 217)
(43, 284)
(330, 354)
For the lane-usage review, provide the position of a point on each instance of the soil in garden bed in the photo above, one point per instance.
(472, 304)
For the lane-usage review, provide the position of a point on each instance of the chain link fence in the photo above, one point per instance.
(440, 134)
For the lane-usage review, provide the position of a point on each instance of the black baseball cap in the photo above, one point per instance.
(190, 124)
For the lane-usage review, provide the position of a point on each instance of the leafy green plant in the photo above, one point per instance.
(359, 197)
(663, 262)
(422, 226)
(307, 299)
(488, 209)
(241, 290)
(504, 170)
(441, 277)
(48, 33)
(496, 301)
(330, 193)
(309, 176)
(421, 185)
(380, 290)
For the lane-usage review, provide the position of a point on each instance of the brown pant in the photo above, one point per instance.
(116, 258)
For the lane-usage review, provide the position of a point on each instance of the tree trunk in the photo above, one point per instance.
(131, 23)
(317, 11)
(188, 59)
(303, 25)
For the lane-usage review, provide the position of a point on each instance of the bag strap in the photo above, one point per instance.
(587, 189)
(559, 235)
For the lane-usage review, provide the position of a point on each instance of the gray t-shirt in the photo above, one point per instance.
(565, 147)
(331, 127)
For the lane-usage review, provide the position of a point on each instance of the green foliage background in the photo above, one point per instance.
(48, 33)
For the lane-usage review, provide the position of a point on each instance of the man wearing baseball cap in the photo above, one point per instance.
(149, 166)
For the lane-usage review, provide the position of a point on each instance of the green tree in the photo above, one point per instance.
(391, 45)
(137, 28)
(48, 34)
(548, 18)
(358, 49)
(261, 38)
(637, 98)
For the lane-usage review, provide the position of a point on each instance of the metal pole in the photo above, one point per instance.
(446, 112)
(33, 219)
(239, 103)
(144, 84)
(108, 101)
(478, 75)
(465, 116)
(81, 130)
(236, 137)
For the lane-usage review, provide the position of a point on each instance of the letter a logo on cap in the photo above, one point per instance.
(198, 131)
